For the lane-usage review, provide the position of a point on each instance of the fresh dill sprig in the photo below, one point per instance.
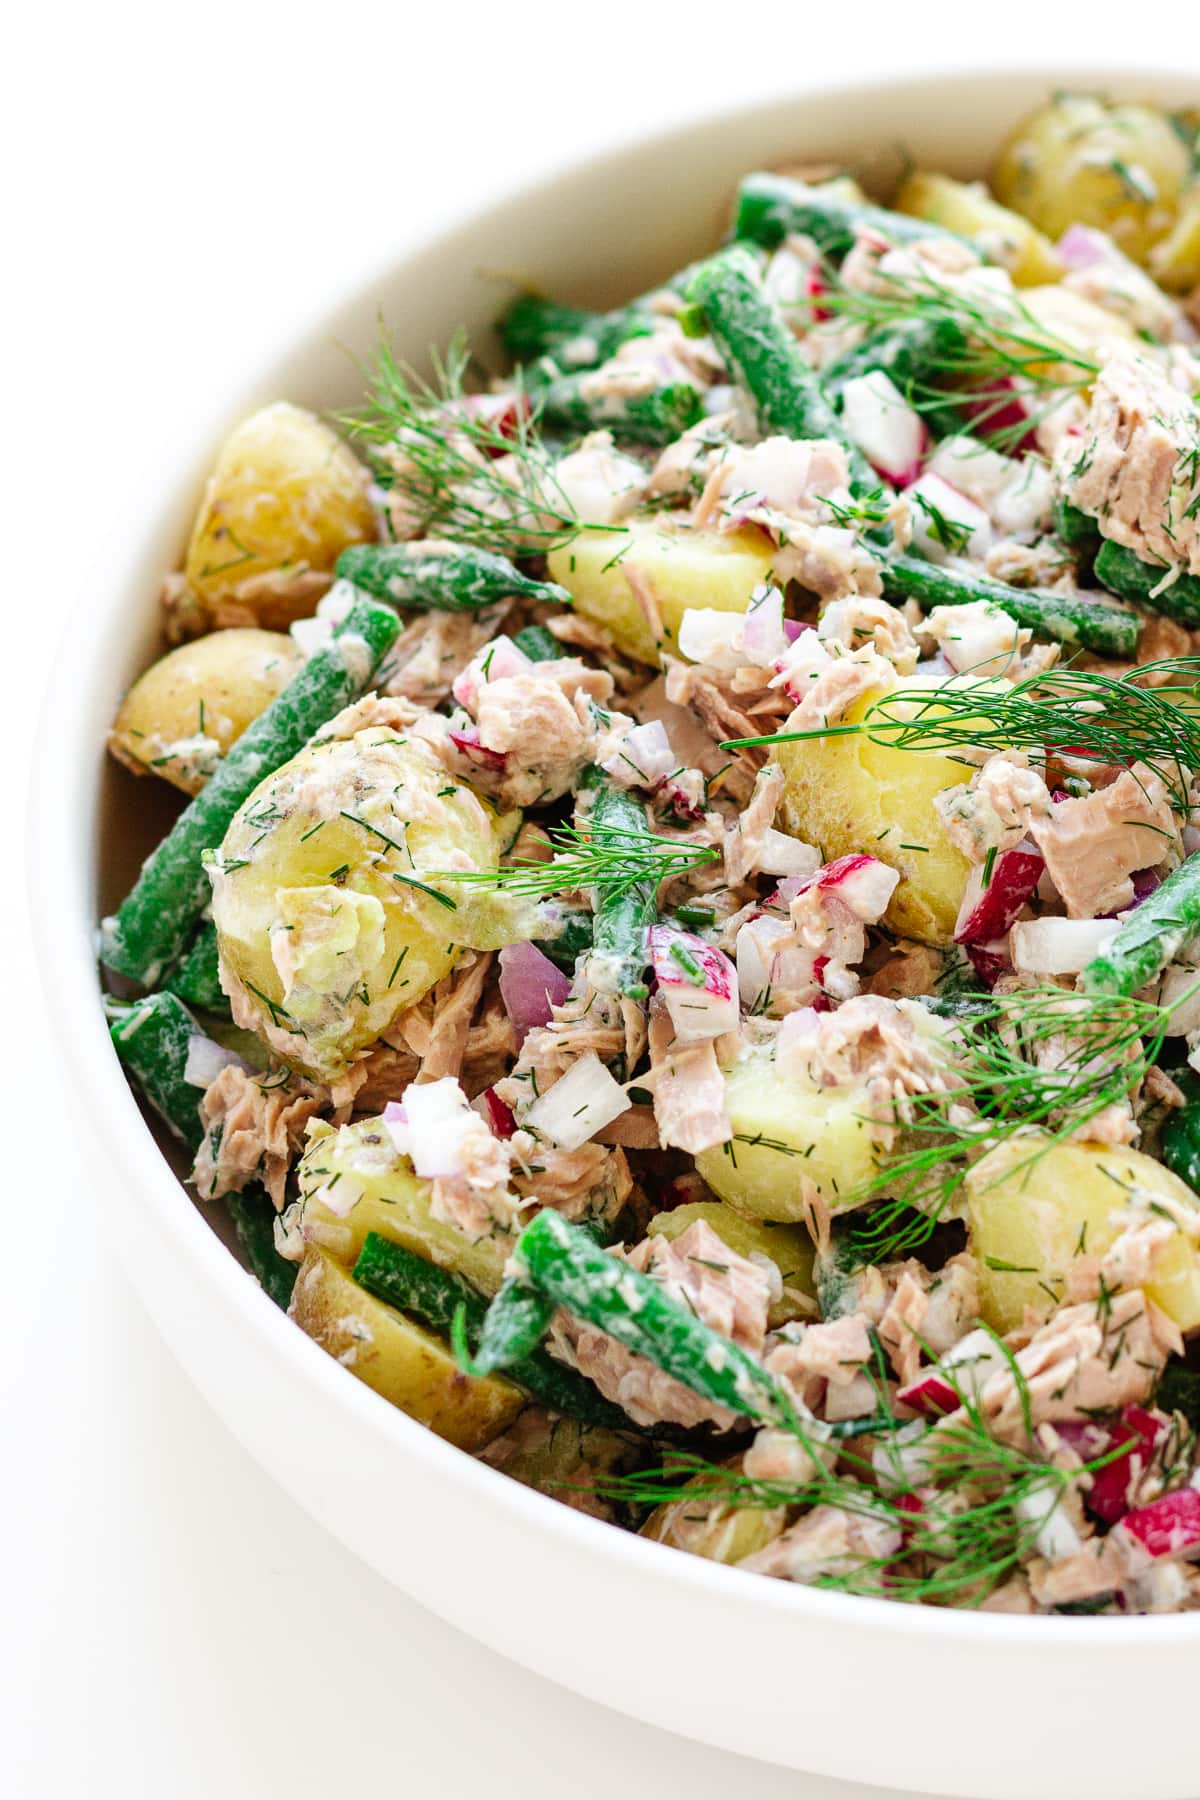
(464, 469)
(1041, 1063)
(1105, 719)
(992, 352)
(610, 866)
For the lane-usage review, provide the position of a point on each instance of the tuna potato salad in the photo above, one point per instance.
(680, 955)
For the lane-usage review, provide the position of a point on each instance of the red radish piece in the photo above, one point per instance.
(1169, 1526)
(1001, 409)
(792, 629)
(1053, 946)
(987, 912)
(530, 984)
(697, 981)
(989, 961)
(959, 1375)
(862, 884)
(890, 434)
(468, 743)
(1140, 1431)
(944, 522)
(814, 287)
(501, 1118)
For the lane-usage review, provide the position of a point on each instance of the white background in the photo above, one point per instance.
(178, 181)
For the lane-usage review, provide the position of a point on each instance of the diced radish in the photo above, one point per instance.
(757, 942)
(788, 856)
(764, 639)
(1140, 1431)
(958, 1376)
(1001, 408)
(890, 434)
(494, 662)
(1017, 493)
(1051, 946)
(644, 756)
(500, 1117)
(581, 1103)
(1169, 1526)
(989, 908)
(976, 637)
(468, 743)
(697, 981)
(501, 413)
(817, 286)
(862, 884)
(989, 961)
(1053, 1533)
(945, 523)
(530, 984)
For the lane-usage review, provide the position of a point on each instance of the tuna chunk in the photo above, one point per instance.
(1092, 846)
(688, 1088)
(725, 1290)
(254, 1128)
(827, 1541)
(1135, 468)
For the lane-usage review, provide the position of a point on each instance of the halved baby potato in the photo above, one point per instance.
(638, 582)
(190, 707)
(968, 208)
(399, 1359)
(789, 1247)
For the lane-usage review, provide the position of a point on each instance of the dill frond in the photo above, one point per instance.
(608, 866)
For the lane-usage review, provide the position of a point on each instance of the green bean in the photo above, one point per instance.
(519, 1317)
(153, 923)
(538, 644)
(197, 978)
(771, 207)
(1181, 1144)
(428, 575)
(1076, 619)
(576, 339)
(760, 350)
(1078, 530)
(1151, 937)
(437, 1298)
(623, 915)
(1123, 573)
(565, 402)
(571, 940)
(570, 1269)
(254, 1221)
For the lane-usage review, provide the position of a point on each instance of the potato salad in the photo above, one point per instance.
(679, 960)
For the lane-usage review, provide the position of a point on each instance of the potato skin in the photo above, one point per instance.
(1081, 160)
(285, 498)
(605, 570)
(209, 689)
(968, 208)
(849, 794)
(323, 936)
(1032, 1216)
(399, 1359)
(705, 1526)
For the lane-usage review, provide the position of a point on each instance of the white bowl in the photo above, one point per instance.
(949, 1701)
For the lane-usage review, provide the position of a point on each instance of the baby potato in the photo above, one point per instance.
(610, 574)
(360, 1160)
(787, 1133)
(182, 716)
(330, 917)
(705, 1525)
(968, 208)
(565, 1458)
(789, 1247)
(1081, 159)
(1175, 259)
(284, 500)
(1031, 1215)
(849, 794)
(399, 1359)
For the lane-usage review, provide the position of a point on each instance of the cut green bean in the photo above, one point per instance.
(538, 644)
(570, 1269)
(518, 1318)
(760, 350)
(619, 954)
(1181, 1144)
(571, 940)
(576, 339)
(153, 923)
(1076, 619)
(1151, 937)
(771, 207)
(254, 1221)
(197, 978)
(151, 1037)
(436, 1297)
(567, 403)
(428, 575)
(1121, 572)
(1078, 530)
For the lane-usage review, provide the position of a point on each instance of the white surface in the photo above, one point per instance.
(172, 1625)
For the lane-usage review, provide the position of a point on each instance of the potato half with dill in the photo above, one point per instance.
(331, 915)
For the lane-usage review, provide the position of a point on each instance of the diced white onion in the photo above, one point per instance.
(205, 1061)
(581, 1103)
(1058, 946)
